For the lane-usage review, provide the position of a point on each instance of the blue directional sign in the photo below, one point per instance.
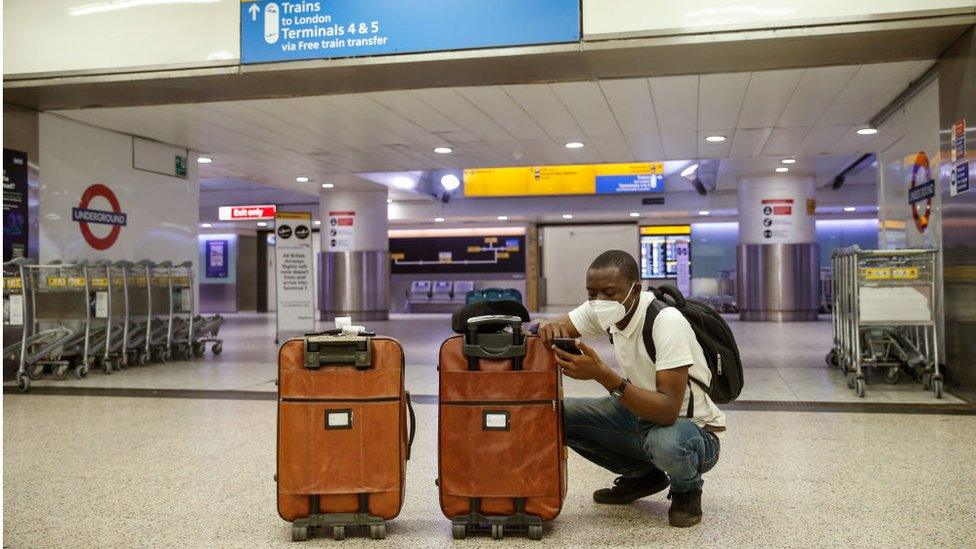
(287, 31)
(630, 183)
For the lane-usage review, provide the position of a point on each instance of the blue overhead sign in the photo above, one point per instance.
(288, 31)
(630, 183)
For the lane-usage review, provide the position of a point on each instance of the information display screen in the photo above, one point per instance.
(659, 250)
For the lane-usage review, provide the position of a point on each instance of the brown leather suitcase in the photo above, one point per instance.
(343, 441)
(502, 459)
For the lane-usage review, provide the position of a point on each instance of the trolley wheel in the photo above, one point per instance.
(937, 387)
(892, 375)
(459, 531)
(199, 349)
(338, 533)
(107, 366)
(143, 359)
(299, 533)
(60, 372)
(377, 531)
(535, 532)
(120, 363)
(81, 371)
(859, 386)
(497, 531)
(927, 381)
(35, 371)
(851, 376)
(831, 358)
(23, 383)
(217, 347)
(165, 356)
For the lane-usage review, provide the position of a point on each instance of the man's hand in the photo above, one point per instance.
(585, 366)
(552, 329)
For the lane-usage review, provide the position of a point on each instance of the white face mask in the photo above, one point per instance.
(609, 312)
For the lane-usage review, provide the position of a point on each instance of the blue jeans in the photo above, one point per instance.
(605, 432)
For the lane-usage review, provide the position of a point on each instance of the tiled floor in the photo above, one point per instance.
(84, 471)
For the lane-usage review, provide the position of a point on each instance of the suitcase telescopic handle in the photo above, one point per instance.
(335, 350)
(413, 426)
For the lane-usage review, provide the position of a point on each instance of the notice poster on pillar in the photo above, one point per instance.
(777, 220)
(293, 272)
(216, 258)
(682, 252)
(15, 226)
(342, 231)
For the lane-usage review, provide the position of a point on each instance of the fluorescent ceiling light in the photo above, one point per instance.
(575, 145)
(503, 218)
(206, 225)
(403, 182)
(327, 185)
(689, 171)
(782, 169)
(438, 220)
(850, 209)
(302, 179)
(867, 131)
(634, 214)
(567, 216)
(443, 150)
(715, 138)
(450, 182)
(704, 212)
(115, 5)
(204, 160)
(262, 224)
(788, 161)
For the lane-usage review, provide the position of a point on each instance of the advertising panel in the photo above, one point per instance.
(293, 272)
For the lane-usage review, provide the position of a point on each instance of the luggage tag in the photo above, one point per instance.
(338, 419)
(495, 420)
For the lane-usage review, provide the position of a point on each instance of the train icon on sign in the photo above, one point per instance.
(271, 23)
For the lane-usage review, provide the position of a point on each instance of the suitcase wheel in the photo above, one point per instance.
(459, 531)
(535, 532)
(299, 533)
(377, 531)
(338, 532)
(497, 531)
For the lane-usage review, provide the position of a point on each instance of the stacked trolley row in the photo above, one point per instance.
(884, 316)
(104, 315)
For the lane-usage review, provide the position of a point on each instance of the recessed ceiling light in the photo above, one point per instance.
(634, 214)
(443, 150)
(689, 171)
(567, 216)
(850, 209)
(788, 161)
(262, 224)
(450, 182)
(867, 131)
(206, 225)
(715, 138)
(204, 160)
(782, 169)
(704, 212)
(403, 182)
(302, 179)
(503, 218)
(318, 222)
(327, 185)
(389, 201)
(438, 220)
(575, 145)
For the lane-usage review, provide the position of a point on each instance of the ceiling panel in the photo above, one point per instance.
(645, 146)
(614, 148)
(821, 140)
(871, 88)
(630, 102)
(588, 106)
(500, 107)
(815, 92)
(415, 110)
(679, 146)
(749, 142)
(545, 108)
(713, 150)
(720, 99)
(453, 105)
(852, 142)
(766, 97)
(785, 141)
(675, 101)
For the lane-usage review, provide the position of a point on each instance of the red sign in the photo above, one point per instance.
(921, 174)
(235, 213)
(782, 210)
(85, 216)
(777, 201)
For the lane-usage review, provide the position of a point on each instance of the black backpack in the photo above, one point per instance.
(713, 334)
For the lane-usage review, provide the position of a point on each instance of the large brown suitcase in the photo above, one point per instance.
(342, 433)
(502, 459)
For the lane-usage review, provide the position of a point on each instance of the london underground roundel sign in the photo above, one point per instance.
(86, 216)
(921, 180)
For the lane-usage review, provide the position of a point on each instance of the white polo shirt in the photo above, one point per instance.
(675, 344)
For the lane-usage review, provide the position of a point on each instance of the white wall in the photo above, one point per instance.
(615, 18)
(42, 36)
(162, 211)
(567, 251)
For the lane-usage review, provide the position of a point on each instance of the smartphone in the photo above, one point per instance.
(567, 344)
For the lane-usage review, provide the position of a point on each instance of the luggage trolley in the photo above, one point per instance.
(15, 318)
(61, 314)
(135, 279)
(161, 308)
(884, 315)
(181, 284)
(107, 317)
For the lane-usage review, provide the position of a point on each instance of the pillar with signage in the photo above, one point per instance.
(295, 311)
(354, 263)
(778, 257)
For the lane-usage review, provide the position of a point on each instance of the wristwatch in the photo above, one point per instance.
(618, 393)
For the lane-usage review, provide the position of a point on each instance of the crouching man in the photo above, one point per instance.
(656, 428)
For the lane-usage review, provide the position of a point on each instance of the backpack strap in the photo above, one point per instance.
(656, 306)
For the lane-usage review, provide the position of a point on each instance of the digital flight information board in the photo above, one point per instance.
(662, 248)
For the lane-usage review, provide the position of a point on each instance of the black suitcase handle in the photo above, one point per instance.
(495, 345)
(413, 425)
(331, 349)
